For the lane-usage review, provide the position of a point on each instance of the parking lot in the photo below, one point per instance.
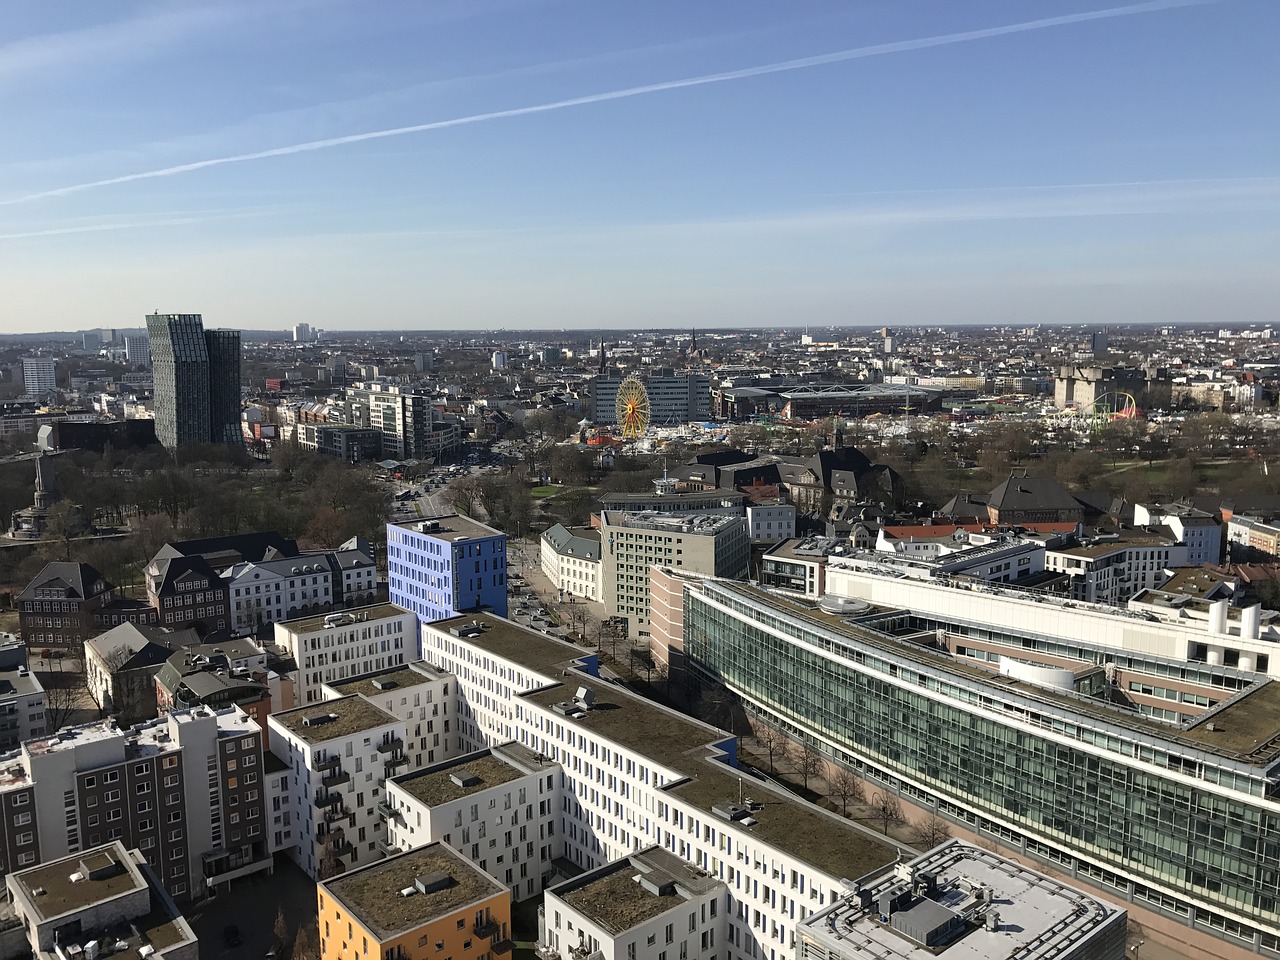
(251, 906)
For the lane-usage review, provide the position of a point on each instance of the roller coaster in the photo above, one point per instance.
(1091, 418)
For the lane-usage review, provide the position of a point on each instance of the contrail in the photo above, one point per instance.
(804, 63)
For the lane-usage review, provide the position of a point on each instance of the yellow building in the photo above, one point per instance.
(426, 903)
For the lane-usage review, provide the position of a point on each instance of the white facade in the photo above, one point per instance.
(339, 646)
(1201, 533)
(1115, 572)
(338, 753)
(418, 694)
(498, 808)
(694, 925)
(628, 786)
(1184, 636)
(276, 590)
(772, 521)
(39, 376)
(21, 696)
(137, 349)
(571, 563)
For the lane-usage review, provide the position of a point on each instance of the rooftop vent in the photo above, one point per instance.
(433, 881)
(465, 779)
(407, 892)
(729, 811)
(384, 684)
(569, 708)
(585, 697)
(666, 888)
(319, 719)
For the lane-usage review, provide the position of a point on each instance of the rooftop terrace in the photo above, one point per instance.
(347, 716)
(371, 894)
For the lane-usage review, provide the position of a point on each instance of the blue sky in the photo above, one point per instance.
(600, 164)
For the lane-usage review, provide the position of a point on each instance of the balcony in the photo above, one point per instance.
(394, 744)
(388, 810)
(337, 843)
(397, 761)
(221, 866)
(327, 799)
(489, 927)
(389, 849)
(335, 779)
(336, 813)
(329, 763)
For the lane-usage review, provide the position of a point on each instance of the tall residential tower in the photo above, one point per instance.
(197, 380)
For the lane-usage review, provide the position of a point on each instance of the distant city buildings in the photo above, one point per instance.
(39, 376)
(197, 381)
(137, 349)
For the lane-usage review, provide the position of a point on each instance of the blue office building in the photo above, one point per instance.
(440, 567)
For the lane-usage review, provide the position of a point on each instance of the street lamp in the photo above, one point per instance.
(1136, 947)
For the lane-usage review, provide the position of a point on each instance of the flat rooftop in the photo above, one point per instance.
(503, 638)
(373, 612)
(1263, 712)
(689, 524)
(449, 527)
(827, 841)
(1036, 916)
(62, 895)
(410, 675)
(809, 548)
(349, 715)
(435, 785)
(1248, 724)
(611, 896)
(371, 894)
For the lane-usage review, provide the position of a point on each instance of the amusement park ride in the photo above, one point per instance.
(632, 409)
(1091, 418)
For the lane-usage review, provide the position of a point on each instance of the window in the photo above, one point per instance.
(21, 818)
(144, 787)
(111, 796)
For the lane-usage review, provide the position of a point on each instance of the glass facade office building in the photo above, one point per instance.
(1183, 820)
(197, 380)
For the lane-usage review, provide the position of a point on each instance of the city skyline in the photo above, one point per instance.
(552, 165)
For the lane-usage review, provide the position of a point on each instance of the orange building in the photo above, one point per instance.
(426, 903)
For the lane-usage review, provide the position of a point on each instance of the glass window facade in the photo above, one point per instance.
(1194, 828)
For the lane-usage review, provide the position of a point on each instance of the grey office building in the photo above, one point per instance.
(197, 380)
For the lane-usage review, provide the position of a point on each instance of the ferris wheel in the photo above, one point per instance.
(632, 408)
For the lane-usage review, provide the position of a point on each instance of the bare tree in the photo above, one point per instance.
(306, 945)
(280, 933)
(848, 789)
(808, 762)
(61, 698)
(774, 743)
(887, 808)
(929, 832)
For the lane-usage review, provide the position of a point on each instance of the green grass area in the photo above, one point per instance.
(543, 492)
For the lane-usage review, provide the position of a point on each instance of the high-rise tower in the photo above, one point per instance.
(197, 380)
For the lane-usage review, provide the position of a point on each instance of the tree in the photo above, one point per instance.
(847, 788)
(306, 946)
(61, 697)
(65, 522)
(280, 933)
(808, 762)
(773, 742)
(887, 808)
(929, 832)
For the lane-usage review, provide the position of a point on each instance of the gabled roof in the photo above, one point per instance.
(1032, 493)
(235, 548)
(147, 646)
(172, 569)
(79, 578)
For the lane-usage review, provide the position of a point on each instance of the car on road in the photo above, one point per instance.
(231, 935)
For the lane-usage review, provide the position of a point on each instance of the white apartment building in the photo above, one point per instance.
(639, 775)
(775, 520)
(650, 904)
(39, 376)
(1113, 571)
(420, 695)
(334, 647)
(339, 754)
(21, 696)
(273, 590)
(498, 807)
(570, 559)
(1198, 529)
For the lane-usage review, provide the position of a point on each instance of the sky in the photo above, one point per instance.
(595, 164)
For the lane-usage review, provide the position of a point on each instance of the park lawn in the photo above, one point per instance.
(543, 492)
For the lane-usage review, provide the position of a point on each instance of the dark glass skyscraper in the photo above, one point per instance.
(197, 380)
